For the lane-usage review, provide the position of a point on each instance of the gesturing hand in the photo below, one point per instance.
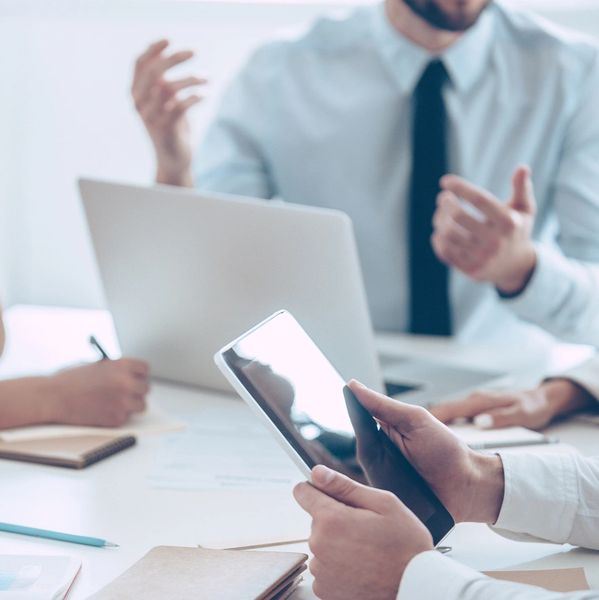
(362, 538)
(495, 245)
(163, 111)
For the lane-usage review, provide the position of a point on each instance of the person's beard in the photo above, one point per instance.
(434, 15)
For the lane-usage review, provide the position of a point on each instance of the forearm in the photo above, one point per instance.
(430, 576)
(565, 396)
(560, 296)
(27, 401)
(181, 178)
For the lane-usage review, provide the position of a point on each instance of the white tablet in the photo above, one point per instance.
(283, 376)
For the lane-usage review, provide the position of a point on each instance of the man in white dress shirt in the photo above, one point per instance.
(334, 118)
(367, 544)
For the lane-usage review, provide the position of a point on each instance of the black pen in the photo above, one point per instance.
(96, 344)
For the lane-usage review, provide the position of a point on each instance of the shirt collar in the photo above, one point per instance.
(465, 61)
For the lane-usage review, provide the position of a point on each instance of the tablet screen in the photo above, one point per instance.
(303, 395)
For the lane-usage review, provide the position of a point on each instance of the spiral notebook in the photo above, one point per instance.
(74, 452)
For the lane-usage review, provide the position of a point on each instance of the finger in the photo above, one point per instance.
(454, 255)
(182, 106)
(523, 199)
(142, 79)
(457, 235)
(312, 500)
(485, 202)
(449, 203)
(170, 61)
(139, 387)
(475, 404)
(347, 491)
(136, 404)
(153, 69)
(139, 368)
(177, 85)
(153, 50)
(499, 417)
(403, 417)
(367, 433)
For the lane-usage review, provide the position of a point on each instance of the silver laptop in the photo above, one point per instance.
(184, 273)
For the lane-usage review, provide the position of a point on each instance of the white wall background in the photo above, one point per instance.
(65, 111)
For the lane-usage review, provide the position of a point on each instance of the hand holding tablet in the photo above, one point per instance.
(318, 420)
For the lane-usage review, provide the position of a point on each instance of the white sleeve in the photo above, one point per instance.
(560, 296)
(553, 497)
(431, 576)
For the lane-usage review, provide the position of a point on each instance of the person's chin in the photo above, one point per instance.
(461, 19)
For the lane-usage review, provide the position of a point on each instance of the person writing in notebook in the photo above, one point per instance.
(367, 113)
(367, 544)
(104, 394)
(556, 397)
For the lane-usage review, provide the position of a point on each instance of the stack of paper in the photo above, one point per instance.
(481, 439)
(37, 577)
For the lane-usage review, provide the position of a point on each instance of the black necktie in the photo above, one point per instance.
(429, 298)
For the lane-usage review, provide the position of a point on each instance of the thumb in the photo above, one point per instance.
(403, 417)
(347, 490)
(523, 198)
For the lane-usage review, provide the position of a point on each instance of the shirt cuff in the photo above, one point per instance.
(550, 279)
(541, 495)
(448, 582)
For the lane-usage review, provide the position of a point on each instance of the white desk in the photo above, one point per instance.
(114, 500)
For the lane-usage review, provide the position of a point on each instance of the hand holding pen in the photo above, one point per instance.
(102, 394)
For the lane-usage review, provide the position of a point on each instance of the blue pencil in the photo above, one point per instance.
(56, 535)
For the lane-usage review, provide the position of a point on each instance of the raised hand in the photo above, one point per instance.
(164, 110)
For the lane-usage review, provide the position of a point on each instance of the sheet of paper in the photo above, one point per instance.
(236, 456)
(555, 580)
(492, 438)
(150, 422)
(36, 577)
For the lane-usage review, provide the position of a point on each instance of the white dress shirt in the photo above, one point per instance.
(553, 497)
(324, 119)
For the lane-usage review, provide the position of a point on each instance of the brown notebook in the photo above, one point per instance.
(168, 572)
(75, 452)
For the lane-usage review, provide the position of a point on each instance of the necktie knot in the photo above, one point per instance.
(433, 78)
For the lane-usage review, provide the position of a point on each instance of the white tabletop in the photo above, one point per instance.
(114, 499)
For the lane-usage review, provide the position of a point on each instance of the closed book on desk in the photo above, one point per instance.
(75, 452)
(200, 574)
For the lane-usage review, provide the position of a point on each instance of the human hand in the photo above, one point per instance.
(534, 408)
(164, 111)
(469, 484)
(362, 538)
(104, 394)
(497, 247)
